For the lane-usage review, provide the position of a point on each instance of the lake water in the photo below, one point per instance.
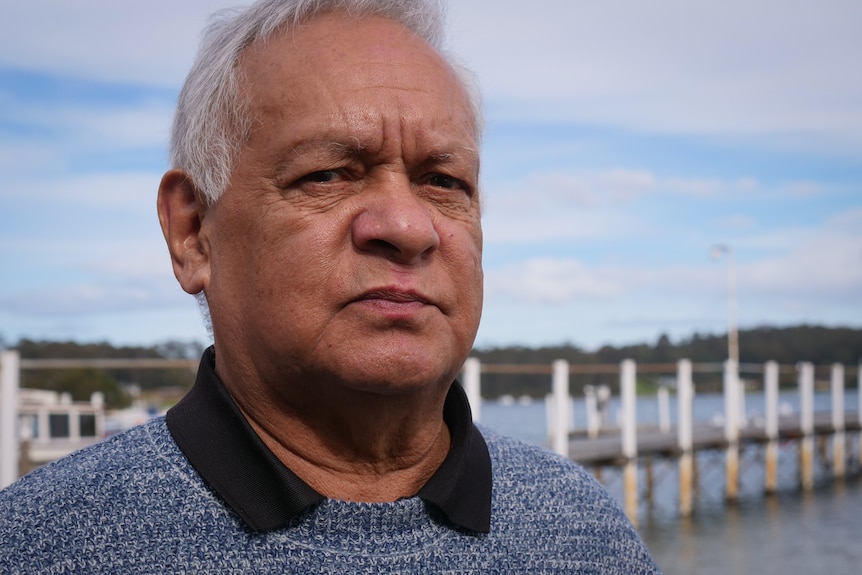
(792, 532)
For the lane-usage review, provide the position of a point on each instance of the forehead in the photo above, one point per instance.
(341, 66)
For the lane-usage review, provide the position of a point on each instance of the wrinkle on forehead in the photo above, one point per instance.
(324, 51)
(334, 91)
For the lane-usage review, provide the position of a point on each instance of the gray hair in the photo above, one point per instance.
(213, 118)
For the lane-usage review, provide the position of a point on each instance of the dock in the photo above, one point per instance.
(606, 449)
(822, 439)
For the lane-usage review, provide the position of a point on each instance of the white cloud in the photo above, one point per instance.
(823, 262)
(141, 126)
(530, 227)
(813, 264)
(738, 221)
(131, 191)
(92, 298)
(550, 281)
(776, 70)
(784, 72)
(150, 42)
(804, 189)
(96, 125)
(546, 206)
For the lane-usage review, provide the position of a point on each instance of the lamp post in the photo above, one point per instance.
(732, 334)
(734, 391)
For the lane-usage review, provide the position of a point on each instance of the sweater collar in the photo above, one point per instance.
(213, 434)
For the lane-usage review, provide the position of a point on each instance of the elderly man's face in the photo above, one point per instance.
(347, 247)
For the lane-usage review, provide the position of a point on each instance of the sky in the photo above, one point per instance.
(624, 140)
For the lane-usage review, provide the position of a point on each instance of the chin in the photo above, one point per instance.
(403, 374)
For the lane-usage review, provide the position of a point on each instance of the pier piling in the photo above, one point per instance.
(685, 401)
(731, 428)
(628, 397)
(770, 390)
(806, 424)
(560, 385)
(838, 439)
(473, 386)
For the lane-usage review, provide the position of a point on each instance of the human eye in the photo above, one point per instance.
(449, 183)
(318, 183)
(321, 177)
(444, 181)
(449, 192)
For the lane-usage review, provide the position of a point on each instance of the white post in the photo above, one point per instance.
(473, 385)
(685, 397)
(685, 400)
(770, 389)
(74, 424)
(731, 401)
(97, 400)
(628, 397)
(859, 402)
(43, 425)
(560, 385)
(731, 429)
(10, 372)
(603, 397)
(663, 409)
(837, 387)
(806, 423)
(591, 403)
(859, 393)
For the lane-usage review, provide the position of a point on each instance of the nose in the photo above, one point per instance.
(395, 223)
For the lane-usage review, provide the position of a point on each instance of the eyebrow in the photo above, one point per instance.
(336, 147)
(351, 147)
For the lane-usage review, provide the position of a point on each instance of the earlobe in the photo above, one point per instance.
(181, 214)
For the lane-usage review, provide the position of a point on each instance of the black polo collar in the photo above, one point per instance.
(213, 434)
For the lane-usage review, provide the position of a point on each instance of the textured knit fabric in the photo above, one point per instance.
(133, 504)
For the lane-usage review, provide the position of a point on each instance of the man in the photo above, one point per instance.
(324, 200)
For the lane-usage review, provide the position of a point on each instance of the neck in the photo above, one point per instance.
(351, 445)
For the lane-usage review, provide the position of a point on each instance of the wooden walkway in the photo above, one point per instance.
(607, 449)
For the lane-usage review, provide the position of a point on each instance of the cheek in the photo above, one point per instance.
(298, 271)
(466, 271)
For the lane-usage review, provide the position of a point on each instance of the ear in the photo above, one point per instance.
(181, 215)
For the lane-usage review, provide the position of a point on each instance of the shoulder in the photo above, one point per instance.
(534, 471)
(540, 497)
(141, 448)
(116, 478)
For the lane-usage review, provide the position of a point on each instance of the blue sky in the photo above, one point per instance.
(624, 139)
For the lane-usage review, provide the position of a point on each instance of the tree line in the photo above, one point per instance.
(115, 384)
(787, 345)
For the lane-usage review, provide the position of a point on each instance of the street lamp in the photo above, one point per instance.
(719, 251)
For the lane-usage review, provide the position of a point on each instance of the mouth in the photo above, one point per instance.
(394, 300)
(395, 296)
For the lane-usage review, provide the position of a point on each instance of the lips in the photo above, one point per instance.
(395, 296)
(394, 303)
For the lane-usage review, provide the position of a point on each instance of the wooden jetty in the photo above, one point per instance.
(629, 444)
(605, 449)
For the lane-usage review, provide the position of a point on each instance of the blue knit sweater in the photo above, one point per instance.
(133, 504)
